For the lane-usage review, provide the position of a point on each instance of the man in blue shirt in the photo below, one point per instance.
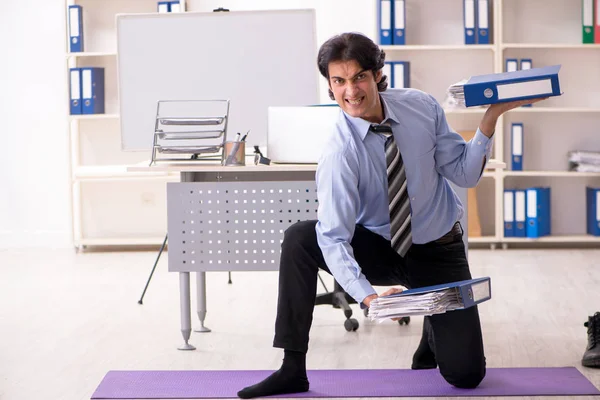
(353, 239)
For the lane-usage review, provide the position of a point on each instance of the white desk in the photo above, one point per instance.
(233, 218)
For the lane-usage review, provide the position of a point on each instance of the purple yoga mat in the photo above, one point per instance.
(344, 383)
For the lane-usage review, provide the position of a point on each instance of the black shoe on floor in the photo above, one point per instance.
(591, 357)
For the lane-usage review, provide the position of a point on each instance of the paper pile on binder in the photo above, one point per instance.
(431, 299)
(507, 86)
(584, 161)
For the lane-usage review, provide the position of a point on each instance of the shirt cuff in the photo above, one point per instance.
(359, 290)
(482, 142)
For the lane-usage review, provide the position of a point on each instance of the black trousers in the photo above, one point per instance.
(455, 337)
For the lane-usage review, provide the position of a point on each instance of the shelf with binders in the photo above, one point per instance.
(545, 144)
(579, 80)
(434, 24)
(99, 22)
(541, 21)
(568, 207)
(107, 89)
(426, 73)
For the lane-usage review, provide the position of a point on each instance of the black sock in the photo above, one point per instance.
(290, 378)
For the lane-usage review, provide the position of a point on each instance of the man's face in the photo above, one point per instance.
(355, 90)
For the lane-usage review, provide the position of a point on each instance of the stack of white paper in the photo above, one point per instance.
(417, 304)
(456, 93)
(584, 161)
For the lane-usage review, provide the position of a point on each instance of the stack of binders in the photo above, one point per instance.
(590, 21)
(169, 6)
(431, 300)
(391, 22)
(398, 73)
(476, 21)
(507, 86)
(87, 90)
(527, 212)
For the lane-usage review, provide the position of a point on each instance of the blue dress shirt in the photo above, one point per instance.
(352, 181)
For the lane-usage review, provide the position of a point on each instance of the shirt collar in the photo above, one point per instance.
(362, 126)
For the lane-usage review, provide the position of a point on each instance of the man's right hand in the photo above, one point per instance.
(368, 299)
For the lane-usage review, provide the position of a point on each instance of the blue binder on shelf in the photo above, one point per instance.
(516, 136)
(399, 22)
(509, 213)
(520, 213)
(469, 21)
(92, 90)
(75, 91)
(593, 210)
(483, 22)
(538, 212)
(75, 29)
(174, 7)
(511, 65)
(163, 7)
(401, 74)
(511, 86)
(385, 21)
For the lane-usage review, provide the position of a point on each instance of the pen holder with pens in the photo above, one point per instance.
(235, 153)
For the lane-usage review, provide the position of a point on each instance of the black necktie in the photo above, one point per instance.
(400, 217)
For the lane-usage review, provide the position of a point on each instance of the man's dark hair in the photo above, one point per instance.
(352, 46)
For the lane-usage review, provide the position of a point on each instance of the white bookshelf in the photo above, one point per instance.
(547, 31)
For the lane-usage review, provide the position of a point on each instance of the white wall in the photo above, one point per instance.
(34, 157)
(35, 199)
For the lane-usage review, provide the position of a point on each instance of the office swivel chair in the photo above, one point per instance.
(340, 299)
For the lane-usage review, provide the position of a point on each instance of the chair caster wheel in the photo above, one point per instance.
(351, 324)
(404, 321)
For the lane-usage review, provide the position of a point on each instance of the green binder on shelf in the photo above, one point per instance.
(587, 21)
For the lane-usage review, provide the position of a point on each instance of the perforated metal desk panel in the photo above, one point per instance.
(235, 223)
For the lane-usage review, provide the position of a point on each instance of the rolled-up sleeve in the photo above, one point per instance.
(337, 193)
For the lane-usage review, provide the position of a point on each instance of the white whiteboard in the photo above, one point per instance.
(256, 59)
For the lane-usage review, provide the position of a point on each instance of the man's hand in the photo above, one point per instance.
(367, 301)
(488, 123)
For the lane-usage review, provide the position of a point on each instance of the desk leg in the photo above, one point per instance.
(186, 312)
(201, 300)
